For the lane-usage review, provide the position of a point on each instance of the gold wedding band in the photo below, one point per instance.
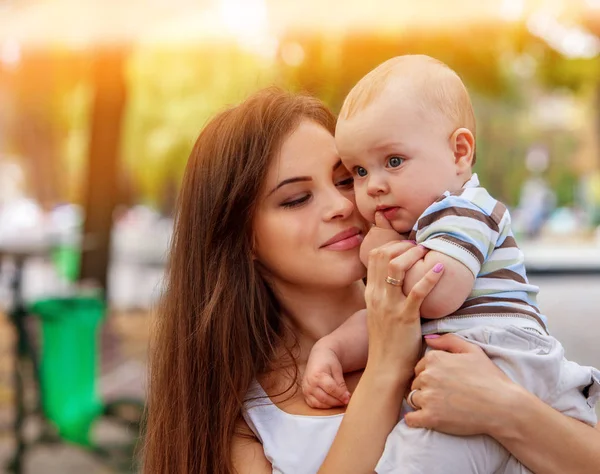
(393, 281)
(410, 401)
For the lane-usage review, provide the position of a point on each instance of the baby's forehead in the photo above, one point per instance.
(399, 105)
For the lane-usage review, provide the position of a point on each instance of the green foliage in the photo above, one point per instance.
(172, 93)
(556, 71)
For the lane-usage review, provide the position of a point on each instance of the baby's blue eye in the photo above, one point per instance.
(395, 161)
(360, 171)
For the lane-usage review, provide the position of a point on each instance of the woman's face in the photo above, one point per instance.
(306, 229)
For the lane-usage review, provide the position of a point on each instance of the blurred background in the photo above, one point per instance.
(100, 104)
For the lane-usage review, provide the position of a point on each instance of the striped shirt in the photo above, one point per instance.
(475, 229)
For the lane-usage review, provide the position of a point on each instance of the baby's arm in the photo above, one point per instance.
(461, 235)
(450, 293)
(344, 350)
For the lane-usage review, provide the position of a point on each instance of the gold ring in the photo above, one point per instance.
(410, 401)
(393, 281)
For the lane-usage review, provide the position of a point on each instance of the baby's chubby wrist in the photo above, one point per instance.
(328, 343)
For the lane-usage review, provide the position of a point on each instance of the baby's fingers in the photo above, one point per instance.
(318, 398)
(337, 390)
(381, 221)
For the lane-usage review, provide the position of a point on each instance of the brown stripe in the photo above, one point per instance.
(459, 192)
(461, 243)
(491, 310)
(498, 212)
(412, 235)
(489, 299)
(455, 194)
(505, 274)
(509, 242)
(459, 212)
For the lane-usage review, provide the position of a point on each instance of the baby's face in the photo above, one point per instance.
(400, 157)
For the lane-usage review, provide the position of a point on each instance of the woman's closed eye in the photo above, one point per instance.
(394, 161)
(296, 202)
(346, 183)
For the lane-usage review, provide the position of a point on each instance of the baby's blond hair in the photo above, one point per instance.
(432, 83)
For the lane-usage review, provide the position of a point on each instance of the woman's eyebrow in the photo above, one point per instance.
(297, 179)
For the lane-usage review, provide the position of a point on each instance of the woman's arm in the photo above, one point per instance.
(393, 323)
(464, 393)
(247, 453)
(544, 439)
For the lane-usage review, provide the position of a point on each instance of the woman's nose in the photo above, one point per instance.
(340, 207)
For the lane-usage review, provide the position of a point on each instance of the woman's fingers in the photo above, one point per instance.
(417, 419)
(452, 343)
(457, 392)
(439, 345)
(416, 398)
(393, 260)
(424, 286)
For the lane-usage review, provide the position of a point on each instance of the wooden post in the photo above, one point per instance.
(102, 191)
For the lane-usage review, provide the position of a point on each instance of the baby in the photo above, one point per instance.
(406, 132)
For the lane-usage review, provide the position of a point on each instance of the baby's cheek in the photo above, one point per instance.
(364, 206)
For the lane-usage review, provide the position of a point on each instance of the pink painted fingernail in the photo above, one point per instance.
(414, 242)
(438, 267)
(431, 336)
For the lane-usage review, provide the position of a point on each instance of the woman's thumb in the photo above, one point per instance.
(450, 343)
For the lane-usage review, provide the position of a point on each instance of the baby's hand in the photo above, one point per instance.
(323, 383)
(381, 233)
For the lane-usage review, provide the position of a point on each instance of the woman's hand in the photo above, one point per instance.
(393, 319)
(394, 329)
(458, 388)
(461, 392)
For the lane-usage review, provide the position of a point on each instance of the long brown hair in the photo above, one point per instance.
(219, 322)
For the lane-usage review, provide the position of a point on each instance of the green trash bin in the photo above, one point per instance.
(68, 364)
(67, 259)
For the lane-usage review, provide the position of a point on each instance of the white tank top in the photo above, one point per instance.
(293, 444)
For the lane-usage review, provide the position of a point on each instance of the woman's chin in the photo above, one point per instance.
(345, 272)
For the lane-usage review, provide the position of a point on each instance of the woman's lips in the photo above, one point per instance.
(345, 240)
(347, 243)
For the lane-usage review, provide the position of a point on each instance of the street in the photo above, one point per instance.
(572, 304)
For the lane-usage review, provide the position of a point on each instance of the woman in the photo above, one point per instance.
(264, 262)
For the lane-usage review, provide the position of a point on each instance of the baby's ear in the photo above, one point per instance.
(462, 142)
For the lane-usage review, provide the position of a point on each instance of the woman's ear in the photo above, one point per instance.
(462, 143)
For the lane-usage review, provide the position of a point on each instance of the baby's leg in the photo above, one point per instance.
(418, 450)
(537, 363)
